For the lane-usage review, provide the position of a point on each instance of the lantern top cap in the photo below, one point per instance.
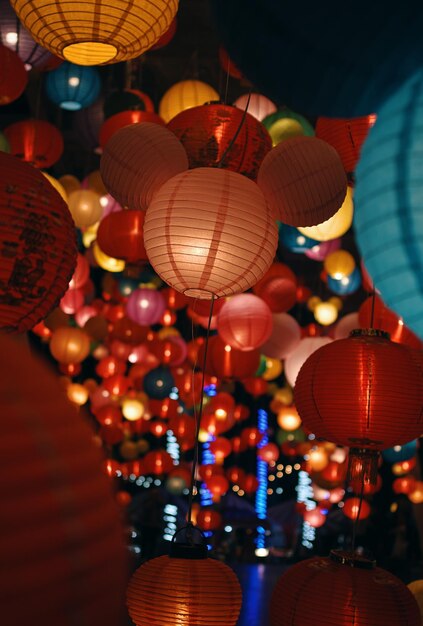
(353, 559)
(369, 332)
(190, 547)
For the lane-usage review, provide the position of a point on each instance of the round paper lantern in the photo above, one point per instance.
(209, 134)
(353, 510)
(369, 380)
(325, 313)
(208, 232)
(373, 312)
(320, 250)
(303, 181)
(314, 517)
(278, 288)
(416, 588)
(101, 33)
(184, 95)
(226, 362)
(127, 100)
(400, 453)
(36, 142)
(73, 87)
(69, 183)
(416, 496)
(85, 207)
(341, 589)
(37, 237)
(185, 588)
(291, 238)
(335, 226)
(404, 484)
(138, 160)
(345, 285)
(389, 222)
(207, 519)
(125, 118)
(258, 106)
(285, 124)
(297, 357)
(227, 65)
(158, 383)
(244, 322)
(120, 235)
(345, 325)
(69, 345)
(218, 486)
(60, 566)
(339, 264)
(346, 136)
(288, 418)
(13, 78)
(158, 462)
(145, 306)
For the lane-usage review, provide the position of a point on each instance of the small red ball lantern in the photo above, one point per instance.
(183, 427)
(13, 77)
(207, 519)
(341, 589)
(120, 235)
(126, 118)
(251, 437)
(268, 453)
(36, 142)
(228, 363)
(245, 322)
(346, 136)
(38, 246)
(210, 138)
(303, 180)
(158, 462)
(354, 510)
(278, 288)
(221, 448)
(218, 485)
(314, 517)
(249, 484)
(404, 484)
(145, 306)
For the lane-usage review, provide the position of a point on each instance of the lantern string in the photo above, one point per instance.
(372, 315)
(238, 130)
(199, 416)
(357, 519)
(227, 81)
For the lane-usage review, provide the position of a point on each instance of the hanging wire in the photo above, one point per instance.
(238, 130)
(227, 81)
(372, 315)
(199, 416)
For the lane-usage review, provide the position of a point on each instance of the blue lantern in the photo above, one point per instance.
(158, 383)
(295, 241)
(389, 203)
(400, 453)
(73, 87)
(346, 285)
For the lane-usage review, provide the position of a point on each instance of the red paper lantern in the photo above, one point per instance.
(13, 77)
(268, 452)
(128, 332)
(404, 484)
(227, 65)
(303, 181)
(183, 427)
(244, 322)
(251, 437)
(341, 589)
(255, 386)
(278, 288)
(138, 160)
(228, 363)
(71, 301)
(59, 566)
(346, 136)
(81, 273)
(145, 306)
(218, 485)
(249, 484)
(207, 519)
(158, 462)
(109, 366)
(209, 136)
(314, 517)
(208, 232)
(37, 239)
(235, 474)
(221, 448)
(120, 235)
(387, 320)
(36, 142)
(207, 471)
(126, 118)
(353, 510)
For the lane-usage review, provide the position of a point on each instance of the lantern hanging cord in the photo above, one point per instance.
(357, 519)
(372, 314)
(238, 130)
(227, 81)
(199, 416)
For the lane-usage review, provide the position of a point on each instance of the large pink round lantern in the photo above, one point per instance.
(245, 322)
(145, 306)
(138, 159)
(209, 233)
(299, 356)
(285, 337)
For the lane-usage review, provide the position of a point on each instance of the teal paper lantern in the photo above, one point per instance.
(294, 240)
(73, 87)
(389, 203)
(346, 285)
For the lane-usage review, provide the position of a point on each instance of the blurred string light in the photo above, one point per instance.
(305, 496)
(172, 446)
(170, 513)
(261, 493)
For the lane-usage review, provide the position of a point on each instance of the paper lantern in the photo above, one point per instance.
(284, 124)
(138, 160)
(69, 345)
(303, 181)
(38, 241)
(258, 106)
(373, 312)
(416, 496)
(69, 183)
(209, 134)
(126, 118)
(314, 517)
(59, 567)
(85, 207)
(158, 462)
(73, 87)
(145, 306)
(339, 264)
(369, 380)
(288, 418)
(184, 95)
(342, 589)
(345, 285)
(71, 301)
(127, 100)
(416, 588)
(244, 322)
(13, 76)
(321, 249)
(36, 142)
(404, 484)
(297, 357)
(208, 232)
(389, 222)
(227, 64)
(106, 262)
(187, 588)
(207, 519)
(278, 288)
(158, 383)
(291, 238)
(218, 486)
(335, 226)
(354, 510)
(346, 136)
(400, 453)
(325, 313)
(101, 33)
(345, 325)
(226, 362)
(120, 235)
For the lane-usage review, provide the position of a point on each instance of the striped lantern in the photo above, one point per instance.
(37, 246)
(342, 589)
(138, 160)
(114, 123)
(73, 87)
(98, 32)
(61, 541)
(346, 136)
(209, 233)
(303, 181)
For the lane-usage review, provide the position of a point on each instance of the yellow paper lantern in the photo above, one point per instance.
(78, 394)
(288, 418)
(185, 95)
(313, 302)
(273, 369)
(318, 459)
(57, 185)
(325, 313)
(132, 409)
(69, 345)
(85, 207)
(284, 395)
(106, 262)
(416, 496)
(96, 33)
(339, 264)
(335, 226)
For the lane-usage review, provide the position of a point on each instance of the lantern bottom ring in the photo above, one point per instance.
(89, 52)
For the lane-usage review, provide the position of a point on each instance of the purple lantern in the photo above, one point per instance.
(145, 306)
(320, 251)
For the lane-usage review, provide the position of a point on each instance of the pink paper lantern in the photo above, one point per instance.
(245, 322)
(345, 325)
(145, 306)
(320, 251)
(285, 337)
(259, 106)
(299, 356)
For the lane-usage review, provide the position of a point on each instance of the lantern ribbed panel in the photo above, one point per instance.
(187, 592)
(389, 203)
(245, 322)
(321, 592)
(120, 235)
(363, 392)
(209, 231)
(36, 142)
(335, 226)
(207, 131)
(137, 160)
(37, 246)
(259, 106)
(278, 288)
(73, 87)
(346, 136)
(303, 181)
(63, 558)
(94, 33)
(125, 118)
(184, 95)
(285, 336)
(13, 77)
